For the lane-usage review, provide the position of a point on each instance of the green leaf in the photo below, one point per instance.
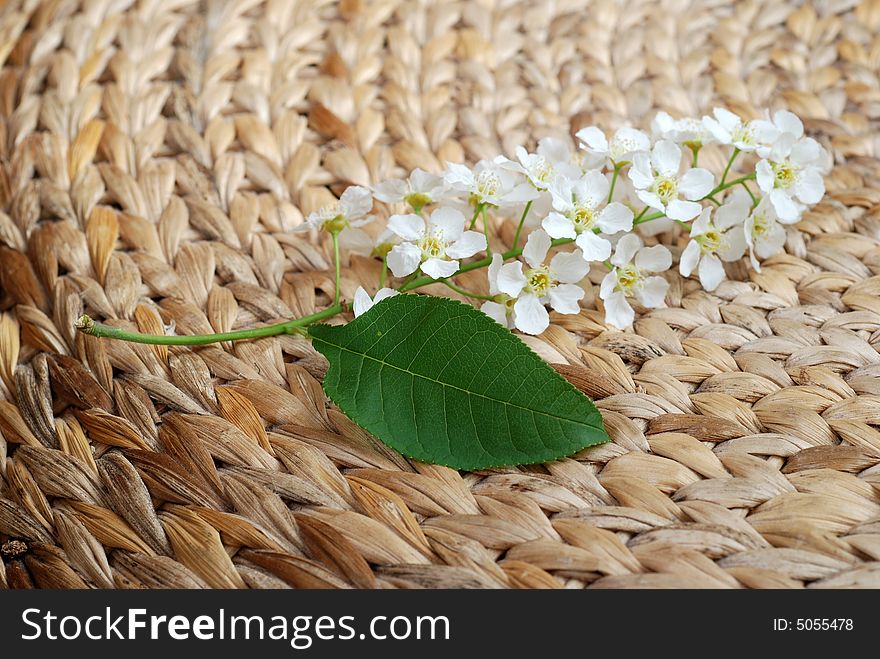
(441, 382)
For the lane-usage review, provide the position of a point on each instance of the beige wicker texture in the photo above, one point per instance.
(154, 157)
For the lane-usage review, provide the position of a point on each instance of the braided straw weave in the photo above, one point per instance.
(154, 156)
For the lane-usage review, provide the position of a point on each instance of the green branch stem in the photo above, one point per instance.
(335, 236)
(86, 325)
(729, 164)
(465, 292)
(522, 221)
(617, 167)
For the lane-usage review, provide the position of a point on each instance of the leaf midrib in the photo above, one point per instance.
(452, 386)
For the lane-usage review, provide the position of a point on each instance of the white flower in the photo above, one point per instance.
(659, 185)
(762, 232)
(552, 159)
(764, 235)
(580, 208)
(682, 131)
(363, 302)
(624, 143)
(434, 246)
(488, 183)
(349, 211)
(728, 128)
(501, 308)
(628, 279)
(791, 176)
(711, 243)
(419, 190)
(554, 283)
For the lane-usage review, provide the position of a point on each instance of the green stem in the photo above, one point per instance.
(653, 216)
(335, 236)
(640, 215)
(486, 232)
(751, 194)
(614, 176)
(476, 215)
(383, 274)
(88, 326)
(713, 200)
(522, 221)
(729, 164)
(695, 150)
(685, 225)
(724, 186)
(476, 265)
(465, 292)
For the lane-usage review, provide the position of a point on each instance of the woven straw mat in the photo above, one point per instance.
(154, 157)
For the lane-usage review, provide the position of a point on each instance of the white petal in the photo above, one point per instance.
(404, 259)
(592, 188)
(784, 205)
(632, 136)
(458, 176)
(565, 297)
(701, 224)
(384, 294)
(765, 177)
(426, 182)
(806, 152)
(554, 150)
(469, 244)
(560, 190)
(593, 139)
(609, 283)
(734, 211)
(531, 316)
(717, 130)
(666, 157)
(662, 125)
(355, 202)
(362, 301)
(809, 187)
(356, 241)
(408, 227)
(626, 249)
(511, 278)
(711, 272)
(653, 292)
(615, 217)
(494, 268)
(733, 246)
(654, 259)
(771, 243)
(696, 183)
(570, 267)
(390, 191)
(690, 257)
(495, 311)
(788, 122)
(593, 247)
(726, 118)
(559, 226)
(651, 199)
(618, 313)
(640, 171)
(450, 221)
(682, 210)
(521, 193)
(439, 268)
(536, 248)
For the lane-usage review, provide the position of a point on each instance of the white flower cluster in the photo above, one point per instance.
(593, 198)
